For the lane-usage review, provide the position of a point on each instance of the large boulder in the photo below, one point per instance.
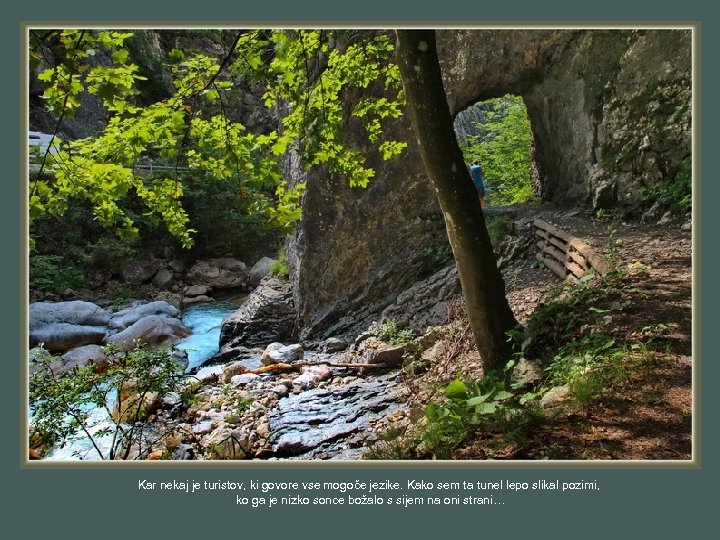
(61, 326)
(151, 330)
(138, 272)
(259, 270)
(129, 316)
(267, 315)
(224, 273)
(73, 312)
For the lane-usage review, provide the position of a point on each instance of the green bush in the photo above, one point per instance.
(676, 193)
(390, 332)
(52, 273)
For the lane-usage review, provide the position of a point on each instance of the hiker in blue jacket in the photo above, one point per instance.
(478, 179)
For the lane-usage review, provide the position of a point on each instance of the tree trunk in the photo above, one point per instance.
(482, 284)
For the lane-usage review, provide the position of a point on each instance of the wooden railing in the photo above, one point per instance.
(565, 254)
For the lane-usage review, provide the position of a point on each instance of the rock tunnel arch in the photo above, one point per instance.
(610, 112)
(610, 109)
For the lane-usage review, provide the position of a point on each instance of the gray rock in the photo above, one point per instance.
(259, 270)
(151, 330)
(183, 452)
(224, 273)
(313, 422)
(194, 300)
(129, 316)
(245, 378)
(277, 353)
(197, 290)
(425, 304)
(202, 427)
(267, 315)
(333, 345)
(82, 356)
(163, 279)
(138, 272)
(176, 265)
(225, 443)
(61, 337)
(75, 312)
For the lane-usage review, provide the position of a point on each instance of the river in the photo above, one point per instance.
(205, 321)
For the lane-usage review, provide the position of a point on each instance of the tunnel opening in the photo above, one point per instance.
(497, 134)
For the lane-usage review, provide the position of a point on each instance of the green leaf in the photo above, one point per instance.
(478, 399)
(486, 408)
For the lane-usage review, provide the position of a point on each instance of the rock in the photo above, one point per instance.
(209, 374)
(277, 353)
(203, 427)
(333, 345)
(152, 330)
(230, 370)
(163, 279)
(687, 226)
(60, 337)
(138, 272)
(390, 355)
(311, 376)
(604, 195)
(424, 304)
(83, 356)
(129, 316)
(225, 443)
(308, 423)
(193, 300)
(267, 315)
(281, 390)
(197, 290)
(183, 452)
(75, 312)
(245, 378)
(528, 373)
(259, 270)
(224, 273)
(666, 218)
(132, 406)
(176, 265)
(555, 397)
(62, 326)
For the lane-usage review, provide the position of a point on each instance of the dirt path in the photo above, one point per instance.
(649, 416)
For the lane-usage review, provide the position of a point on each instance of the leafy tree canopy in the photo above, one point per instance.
(305, 74)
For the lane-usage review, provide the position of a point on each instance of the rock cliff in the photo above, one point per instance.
(610, 112)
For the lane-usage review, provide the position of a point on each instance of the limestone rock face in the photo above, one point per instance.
(267, 315)
(424, 304)
(610, 113)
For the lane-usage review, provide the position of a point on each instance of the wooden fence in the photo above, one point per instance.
(565, 254)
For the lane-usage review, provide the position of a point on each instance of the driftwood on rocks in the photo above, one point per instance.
(281, 368)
